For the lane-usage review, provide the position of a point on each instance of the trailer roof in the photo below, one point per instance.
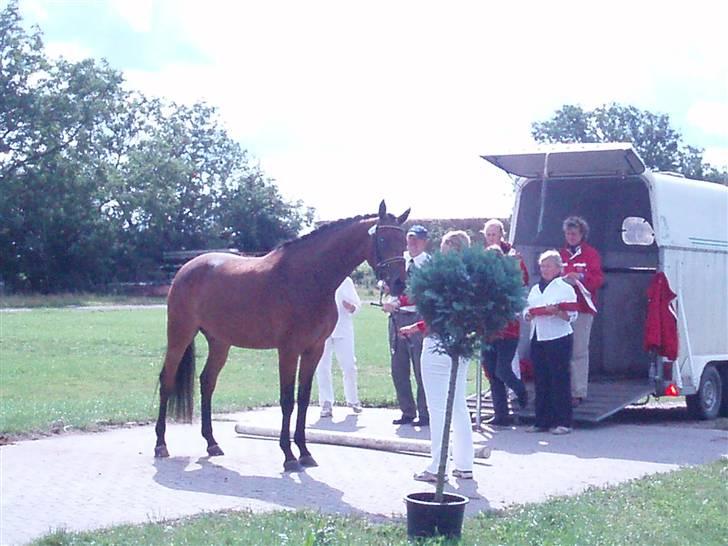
(689, 213)
(566, 160)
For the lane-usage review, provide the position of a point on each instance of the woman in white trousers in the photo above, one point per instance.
(341, 343)
(436, 380)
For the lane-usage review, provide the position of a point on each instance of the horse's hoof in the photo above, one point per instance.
(292, 466)
(160, 452)
(307, 460)
(214, 450)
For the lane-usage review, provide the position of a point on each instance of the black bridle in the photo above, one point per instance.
(383, 265)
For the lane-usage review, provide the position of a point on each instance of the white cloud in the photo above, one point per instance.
(710, 117)
(71, 51)
(717, 156)
(137, 13)
(34, 9)
(347, 103)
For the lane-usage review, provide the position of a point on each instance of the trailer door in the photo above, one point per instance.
(565, 161)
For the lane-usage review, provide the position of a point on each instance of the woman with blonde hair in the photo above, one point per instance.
(436, 378)
(551, 309)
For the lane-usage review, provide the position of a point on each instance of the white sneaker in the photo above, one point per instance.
(326, 410)
(561, 430)
(463, 474)
(356, 407)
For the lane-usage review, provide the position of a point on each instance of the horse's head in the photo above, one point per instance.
(388, 245)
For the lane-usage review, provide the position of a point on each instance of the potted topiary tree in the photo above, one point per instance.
(464, 297)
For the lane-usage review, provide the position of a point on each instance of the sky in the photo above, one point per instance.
(347, 103)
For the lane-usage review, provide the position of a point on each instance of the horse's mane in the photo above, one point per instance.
(326, 228)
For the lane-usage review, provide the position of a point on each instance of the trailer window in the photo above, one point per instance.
(637, 231)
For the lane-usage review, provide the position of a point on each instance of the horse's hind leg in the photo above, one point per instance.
(180, 354)
(216, 358)
(309, 361)
(172, 360)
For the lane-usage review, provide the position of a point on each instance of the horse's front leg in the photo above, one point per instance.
(287, 363)
(309, 361)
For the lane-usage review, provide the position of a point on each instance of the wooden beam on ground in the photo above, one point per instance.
(410, 445)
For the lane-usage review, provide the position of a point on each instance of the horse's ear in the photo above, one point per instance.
(403, 217)
(382, 210)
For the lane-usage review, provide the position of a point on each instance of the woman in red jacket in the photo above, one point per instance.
(582, 270)
(498, 352)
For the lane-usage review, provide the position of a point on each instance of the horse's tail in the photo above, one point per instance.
(181, 399)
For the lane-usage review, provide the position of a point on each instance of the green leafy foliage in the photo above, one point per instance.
(469, 296)
(97, 182)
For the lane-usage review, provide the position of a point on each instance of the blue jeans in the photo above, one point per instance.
(497, 358)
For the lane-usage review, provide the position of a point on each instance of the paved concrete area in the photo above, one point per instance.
(88, 481)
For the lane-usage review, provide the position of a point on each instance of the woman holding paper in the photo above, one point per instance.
(582, 270)
(551, 309)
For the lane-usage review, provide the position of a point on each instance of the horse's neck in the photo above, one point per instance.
(326, 260)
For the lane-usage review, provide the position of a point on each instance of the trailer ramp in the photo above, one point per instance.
(606, 397)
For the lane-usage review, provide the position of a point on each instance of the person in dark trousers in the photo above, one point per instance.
(406, 351)
(551, 310)
(498, 352)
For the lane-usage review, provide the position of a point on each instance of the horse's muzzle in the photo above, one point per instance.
(396, 287)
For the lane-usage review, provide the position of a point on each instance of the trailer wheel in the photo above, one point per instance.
(724, 378)
(706, 404)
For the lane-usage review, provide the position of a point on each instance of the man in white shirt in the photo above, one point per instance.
(341, 342)
(408, 349)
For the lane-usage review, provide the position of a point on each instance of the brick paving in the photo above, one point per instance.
(95, 480)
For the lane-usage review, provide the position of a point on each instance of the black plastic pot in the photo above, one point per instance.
(427, 518)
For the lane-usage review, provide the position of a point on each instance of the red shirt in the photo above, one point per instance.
(586, 261)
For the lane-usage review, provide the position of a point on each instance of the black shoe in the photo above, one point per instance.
(404, 420)
(421, 423)
(500, 422)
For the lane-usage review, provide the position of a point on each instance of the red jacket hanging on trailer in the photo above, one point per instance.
(661, 324)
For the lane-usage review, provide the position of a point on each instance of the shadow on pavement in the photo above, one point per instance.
(648, 434)
(295, 490)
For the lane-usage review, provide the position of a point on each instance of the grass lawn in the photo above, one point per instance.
(76, 367)
(684, 507)
(35, 301)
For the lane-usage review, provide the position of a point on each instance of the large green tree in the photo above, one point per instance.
(659, 144)
(97, 182)
(52, 115)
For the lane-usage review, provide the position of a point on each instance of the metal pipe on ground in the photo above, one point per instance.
(367, 442)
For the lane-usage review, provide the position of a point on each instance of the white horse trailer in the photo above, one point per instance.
(641, 222)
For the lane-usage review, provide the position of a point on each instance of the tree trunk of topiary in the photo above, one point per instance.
(444, 448)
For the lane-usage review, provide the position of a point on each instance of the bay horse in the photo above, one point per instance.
(283, 300)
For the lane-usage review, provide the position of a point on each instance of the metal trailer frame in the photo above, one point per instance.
(689, 221)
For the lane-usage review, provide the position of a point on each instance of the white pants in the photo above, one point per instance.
(580, 356)
(436, 380)
(344, 349)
